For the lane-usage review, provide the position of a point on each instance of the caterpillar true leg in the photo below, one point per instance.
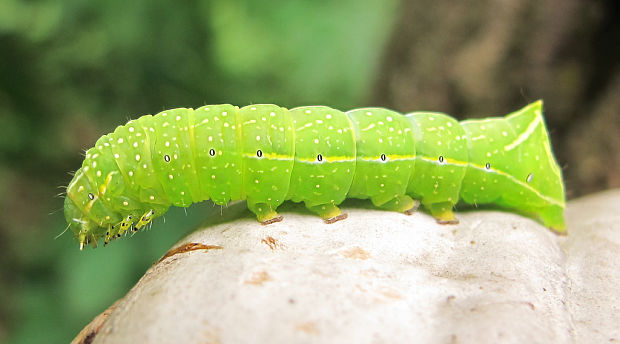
(124, 226)
(145, 219)
(109, 235)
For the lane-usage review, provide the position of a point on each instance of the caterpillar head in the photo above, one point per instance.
(83, 228)
(90, 219)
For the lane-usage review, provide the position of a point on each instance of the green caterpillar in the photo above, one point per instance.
(267, 154)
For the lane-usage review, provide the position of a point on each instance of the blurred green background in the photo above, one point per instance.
(71, 71)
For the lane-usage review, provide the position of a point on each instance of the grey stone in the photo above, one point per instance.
(381, 277)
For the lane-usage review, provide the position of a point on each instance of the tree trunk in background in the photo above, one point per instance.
(484, 58)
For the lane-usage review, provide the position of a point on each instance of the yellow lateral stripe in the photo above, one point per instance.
(447, 161)
(326, 159)
(502, 173)
(393, 157)
(269, 156)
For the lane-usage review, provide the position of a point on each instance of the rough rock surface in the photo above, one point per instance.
(380, 277)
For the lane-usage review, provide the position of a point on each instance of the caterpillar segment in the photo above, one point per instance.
(266, 154)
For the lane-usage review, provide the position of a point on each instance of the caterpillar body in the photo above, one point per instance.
(267, 154)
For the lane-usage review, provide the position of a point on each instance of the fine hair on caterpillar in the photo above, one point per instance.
(266, 154)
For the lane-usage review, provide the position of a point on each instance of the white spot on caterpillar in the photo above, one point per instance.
(131, 129)
(308, 111)
(449, 124)
(388, 118)
(144, 166)
(253, 108)
(116, 155)
(170, 176)
(318, 186)
(257, 138)
(224, 113)
(98, 173)
(178, 118)
(137, 157)
(226, 124)
(213, 176)
(316, 140)
(164, 114)
(120, 140)
(151, 197)
(130, 173)
(256, 181)
(94, 164)
(135, 144)
(210, 138)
